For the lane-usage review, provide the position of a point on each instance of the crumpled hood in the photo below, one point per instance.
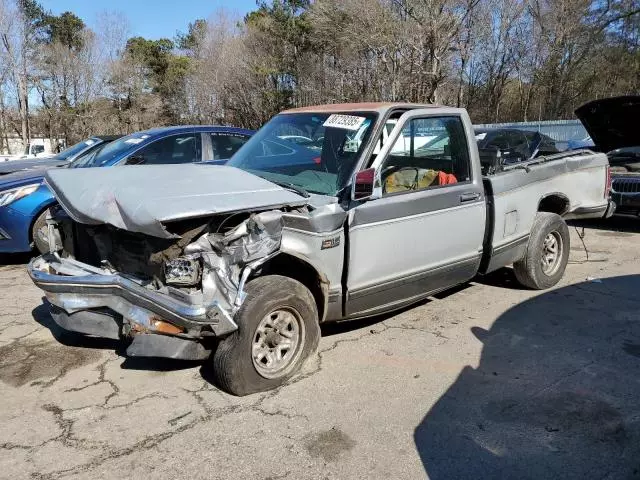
(612, 122)
(140, 198)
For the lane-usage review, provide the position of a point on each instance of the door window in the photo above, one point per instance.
(225, 145)
(430, 152)
(173, 149)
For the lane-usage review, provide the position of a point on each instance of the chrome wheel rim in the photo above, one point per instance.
(277, 343)
(551, 253)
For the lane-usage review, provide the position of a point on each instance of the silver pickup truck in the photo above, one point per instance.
(328, 213)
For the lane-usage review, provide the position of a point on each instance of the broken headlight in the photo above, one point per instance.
(182, 271)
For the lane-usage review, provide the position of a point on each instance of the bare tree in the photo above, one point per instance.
(501, 59)
(215, 52)
(18, 37)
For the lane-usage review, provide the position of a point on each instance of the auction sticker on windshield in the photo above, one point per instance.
(346, 122)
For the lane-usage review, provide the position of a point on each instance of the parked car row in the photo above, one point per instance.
(63, 158)
(37, 148)
(242, 260)
(25, 199)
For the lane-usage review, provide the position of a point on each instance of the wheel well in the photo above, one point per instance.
(293, 267)
(35, 218)
(554, 203)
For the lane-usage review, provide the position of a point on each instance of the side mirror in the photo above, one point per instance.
(134, 160)
(364, 184)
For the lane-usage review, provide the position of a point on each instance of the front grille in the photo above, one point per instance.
(626, 185)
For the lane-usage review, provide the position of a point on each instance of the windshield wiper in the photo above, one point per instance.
(291, 186)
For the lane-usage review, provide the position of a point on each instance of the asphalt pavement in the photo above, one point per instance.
(484, 381)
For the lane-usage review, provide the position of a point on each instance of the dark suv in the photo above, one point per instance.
(613, 126)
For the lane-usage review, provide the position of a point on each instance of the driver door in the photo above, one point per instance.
(425, 230)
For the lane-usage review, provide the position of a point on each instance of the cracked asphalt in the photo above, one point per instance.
(485, 381)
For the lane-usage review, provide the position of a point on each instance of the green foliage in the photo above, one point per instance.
(288, 22)
(66, 29)
(32, 10)
(35, 18)
(194, 36)
(154, 55)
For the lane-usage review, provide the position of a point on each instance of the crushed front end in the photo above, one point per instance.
(170, 297)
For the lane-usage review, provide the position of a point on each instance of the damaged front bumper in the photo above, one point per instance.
(90, 300)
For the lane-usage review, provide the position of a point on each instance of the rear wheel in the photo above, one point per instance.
(547, 253)
(277, 330)
(40, 233)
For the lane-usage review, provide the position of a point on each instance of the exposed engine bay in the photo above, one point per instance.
(210, 259)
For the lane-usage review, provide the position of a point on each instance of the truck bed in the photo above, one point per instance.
(571, 184)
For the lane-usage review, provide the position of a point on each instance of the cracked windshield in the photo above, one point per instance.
(308, 152)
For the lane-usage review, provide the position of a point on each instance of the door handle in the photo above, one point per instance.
(469, 197)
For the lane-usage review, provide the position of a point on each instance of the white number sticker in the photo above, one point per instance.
(346, 122)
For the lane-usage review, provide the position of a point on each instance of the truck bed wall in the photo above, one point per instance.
(515, 197)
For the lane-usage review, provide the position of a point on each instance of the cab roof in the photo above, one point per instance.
(358, 107)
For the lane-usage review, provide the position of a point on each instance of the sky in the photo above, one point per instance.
(151, 19)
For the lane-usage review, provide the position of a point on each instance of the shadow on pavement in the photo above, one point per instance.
(556, 393)
(503, 278)
(336, 328)
(71, 339)
(157, 364)
(617, 223)
(15, 259)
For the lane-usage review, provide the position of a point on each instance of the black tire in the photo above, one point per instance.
(529, 270)
(40, 244)
(234, 368)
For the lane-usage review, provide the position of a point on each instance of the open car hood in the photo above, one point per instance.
(141, 198)
(612, 122)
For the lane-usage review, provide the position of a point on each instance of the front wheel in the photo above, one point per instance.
(547, 254)
(277, 330)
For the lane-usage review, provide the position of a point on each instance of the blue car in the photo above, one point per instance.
(24, 199)
(63, 158)
(578, 144)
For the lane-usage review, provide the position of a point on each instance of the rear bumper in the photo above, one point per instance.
(93, 301)
(605, 210)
